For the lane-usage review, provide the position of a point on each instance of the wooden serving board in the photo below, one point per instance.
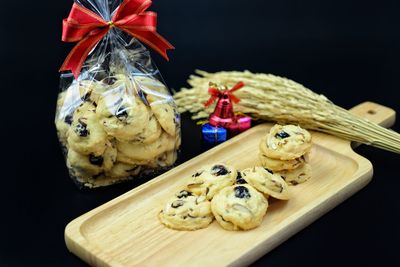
(126, 231)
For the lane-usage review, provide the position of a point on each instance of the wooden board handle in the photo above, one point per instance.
(374, 112)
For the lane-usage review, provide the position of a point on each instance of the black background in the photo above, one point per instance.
(347, 50)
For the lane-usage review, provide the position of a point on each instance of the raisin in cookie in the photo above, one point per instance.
(239, 178)
(286, 142)
(279, 165)
(122, 114)
(165, 112)
(186, 211)
(266, 182)
(212, 178)
(86, 135)
(239, 207)
(298, 175)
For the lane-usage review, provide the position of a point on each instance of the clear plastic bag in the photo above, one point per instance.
(117, 120)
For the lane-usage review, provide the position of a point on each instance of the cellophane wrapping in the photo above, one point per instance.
(117, 121)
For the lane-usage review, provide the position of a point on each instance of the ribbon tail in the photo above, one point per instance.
(78, 54)
(214, 92)
(210, 101)
(129, 7)
(236, 87)
(152, 39)
(234, 99)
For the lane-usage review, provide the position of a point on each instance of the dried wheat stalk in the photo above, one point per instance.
(272, 98)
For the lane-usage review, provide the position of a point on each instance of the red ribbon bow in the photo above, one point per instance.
(87, 28)
(216, 94)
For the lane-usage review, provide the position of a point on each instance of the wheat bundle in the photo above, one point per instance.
(273, 98)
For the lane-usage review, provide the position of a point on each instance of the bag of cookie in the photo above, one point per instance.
(115, 117)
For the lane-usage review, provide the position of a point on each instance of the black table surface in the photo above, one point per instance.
(346, 50)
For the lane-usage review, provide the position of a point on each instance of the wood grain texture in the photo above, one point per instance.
(126, 231)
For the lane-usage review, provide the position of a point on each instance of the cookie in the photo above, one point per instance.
(82, 165)
(137, 152)
(279, 165)
(89, 165)
(266, 182)
(62, 126)
(168, 158)
(122, 114)
(298, 175)
(165, 112)
(286, 142)
(108, 158)
(86, 136)
(186, 211)
(63, 119)
(151, 133)
(164, 160)
(121, 157)
(84, 91)
(239, 207)
(120, 170)
(90, 90)
(212, 178)
(151, 86)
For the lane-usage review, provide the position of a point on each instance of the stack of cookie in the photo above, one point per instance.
(238, 200)
(284, 150)
(117, 128)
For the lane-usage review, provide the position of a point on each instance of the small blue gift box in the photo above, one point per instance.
(213, 135)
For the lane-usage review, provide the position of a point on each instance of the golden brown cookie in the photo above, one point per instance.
(280, 165)
(165, 112)
(186, 211)
(120, 170)
(286, 142)
(298, 175)
(134, 153)
(86, 136)
(91, 165)
(210, 179)
(149, 134)
(239, 207)
(266, 182)
(122, 113)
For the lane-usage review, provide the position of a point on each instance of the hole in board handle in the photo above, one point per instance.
(371, 112)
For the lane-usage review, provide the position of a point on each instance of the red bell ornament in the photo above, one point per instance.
(223, 115)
